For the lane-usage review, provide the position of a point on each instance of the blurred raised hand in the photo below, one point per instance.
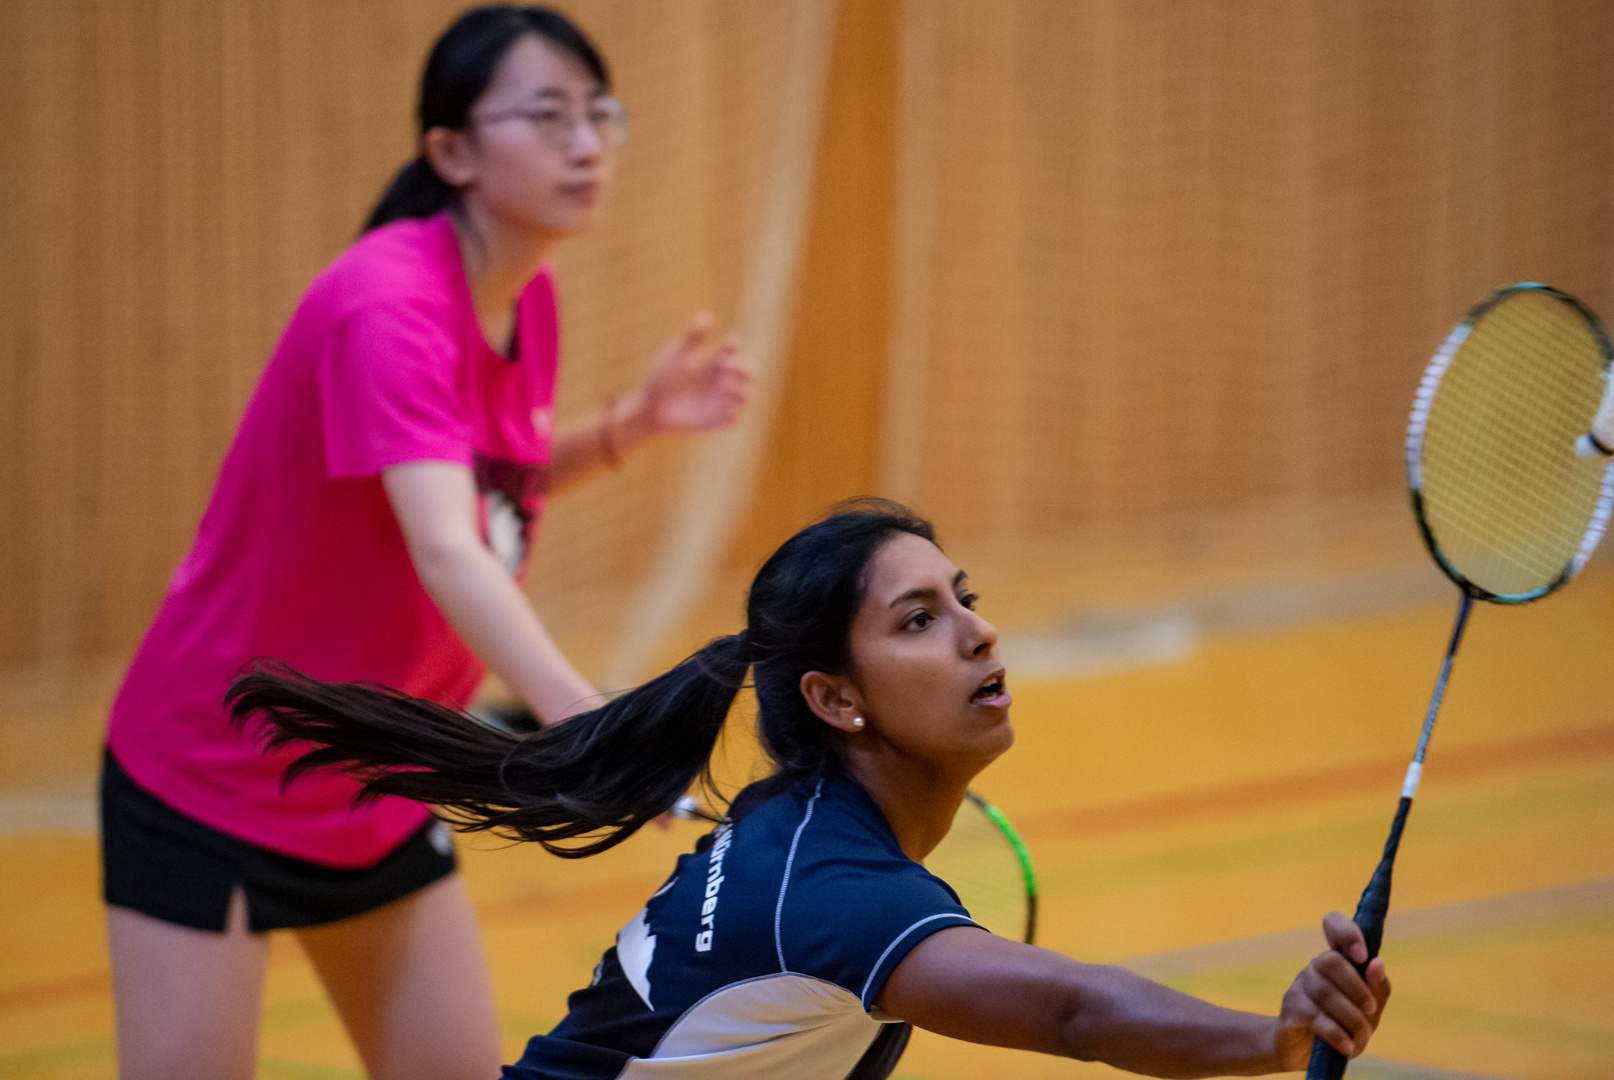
(693, 386)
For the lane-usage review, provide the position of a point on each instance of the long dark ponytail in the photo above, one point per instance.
(458, 70)
(601, 775)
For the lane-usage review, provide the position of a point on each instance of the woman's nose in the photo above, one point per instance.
(983, 635)
(587, 142)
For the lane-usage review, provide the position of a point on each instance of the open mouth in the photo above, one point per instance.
(583, 191)
(989, 691)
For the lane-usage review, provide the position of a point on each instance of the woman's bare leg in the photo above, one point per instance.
(187, 1001)
(412, 986)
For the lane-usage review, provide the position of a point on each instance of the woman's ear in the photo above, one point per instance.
(449, 152)
(833, 700)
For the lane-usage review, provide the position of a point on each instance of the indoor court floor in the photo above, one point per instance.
(1192, 818)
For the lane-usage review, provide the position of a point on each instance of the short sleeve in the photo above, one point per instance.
(869, 915)
(391, 393)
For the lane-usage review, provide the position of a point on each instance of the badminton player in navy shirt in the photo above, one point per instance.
(803, 936)
(800, 908)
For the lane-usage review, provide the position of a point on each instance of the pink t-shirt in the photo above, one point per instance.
(299, 556)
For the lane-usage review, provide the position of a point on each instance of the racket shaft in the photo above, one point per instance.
(1326, 1062)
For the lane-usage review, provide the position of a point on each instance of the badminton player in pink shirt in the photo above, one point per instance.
(372, 520)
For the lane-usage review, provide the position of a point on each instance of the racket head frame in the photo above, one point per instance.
(1419, 422)
(1028, 874)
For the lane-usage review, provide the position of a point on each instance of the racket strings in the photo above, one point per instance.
(981, 865)
(1505, 498)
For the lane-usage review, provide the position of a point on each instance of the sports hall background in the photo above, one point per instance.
(1130, 296)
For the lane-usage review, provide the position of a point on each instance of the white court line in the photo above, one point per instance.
(48, 814)
(1100, 640)
(1462, 917)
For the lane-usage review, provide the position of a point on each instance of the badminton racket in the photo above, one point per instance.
(988, 866)
(1507, 505)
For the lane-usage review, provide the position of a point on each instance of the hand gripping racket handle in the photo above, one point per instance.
(1326, 1062)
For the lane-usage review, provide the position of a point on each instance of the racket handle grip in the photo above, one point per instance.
(1326, 1062)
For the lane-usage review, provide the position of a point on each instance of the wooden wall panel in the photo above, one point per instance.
(826, 440)
(1182, 260)
(1188, 258)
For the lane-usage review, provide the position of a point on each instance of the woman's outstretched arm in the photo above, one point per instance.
(435, 503)
(971, 985)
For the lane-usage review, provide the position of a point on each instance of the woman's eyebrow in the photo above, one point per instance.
(928, 593)
(925, 593)
(555, 93)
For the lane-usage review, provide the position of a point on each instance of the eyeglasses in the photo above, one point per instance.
(557, 124)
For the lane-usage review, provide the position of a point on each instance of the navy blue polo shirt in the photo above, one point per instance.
(762, 954)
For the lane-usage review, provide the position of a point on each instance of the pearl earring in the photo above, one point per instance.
(857, 723)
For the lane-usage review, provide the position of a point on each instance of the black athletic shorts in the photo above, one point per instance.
(165, 864)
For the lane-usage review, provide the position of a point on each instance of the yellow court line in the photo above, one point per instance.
(70, 988)
(1458, 762)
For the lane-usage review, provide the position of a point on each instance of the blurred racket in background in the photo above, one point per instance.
(986, 863)
(1507, 507)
